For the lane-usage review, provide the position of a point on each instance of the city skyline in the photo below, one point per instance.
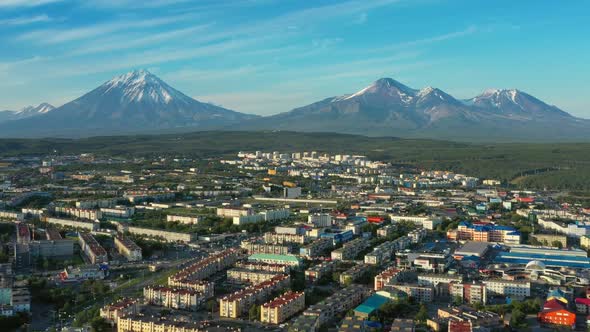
(266, 57)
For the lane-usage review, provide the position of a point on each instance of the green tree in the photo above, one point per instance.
(254, 312)
(422, 314)
(99, 324)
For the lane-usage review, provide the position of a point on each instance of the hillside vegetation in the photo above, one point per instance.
(551, 166)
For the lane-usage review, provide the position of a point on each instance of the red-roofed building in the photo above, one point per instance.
(526, 199)
(583, 305)
(282, 308)
(459, 325)
(555, 313)
(121, 308)
(553, 304)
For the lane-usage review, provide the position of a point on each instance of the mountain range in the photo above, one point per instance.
(390, 108)
(26, 112)
(139, 102)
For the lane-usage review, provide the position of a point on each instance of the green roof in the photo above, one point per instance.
(371, 304)
(276, 257)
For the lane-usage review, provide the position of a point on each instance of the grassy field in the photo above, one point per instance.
(552, 166)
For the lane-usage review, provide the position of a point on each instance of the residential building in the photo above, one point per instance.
(120, 308)
(282, 308)
(78, 213)
(512, 288)
(470, 293)
(350, 249)
(156, 234)
(233, 212)
(426, 222)
(260, 266)
(238, 275)
(556, 313)
(176, 298)
(118, 212)
(92, 249)
(254, 247)
(316, 248)
(238, 303)
(422, 294)
(76, 224)
(290, 260)
(206, 267)
(282, 238)
(317, 272)
(351, 275)
(484, 232)
(128, 248)
(320, 219)
(187, 220)
(325, 311)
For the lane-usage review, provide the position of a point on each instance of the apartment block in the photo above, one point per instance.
(253, 247)
(165, 236)
(176, 298)
(93, 250)
(316, 248)
(282, 308)
(350, 249)
(206, 267)
(353, 274)
(390, 276)
(422, 294)
(316, 272)
(282, 238)
(484, 232)
(78, 213)
(202, 286)
(471, 293)
(233, 212)
(325, 311)
(187, 220)
(237, 275)
(260, 266)
(120, 308)
(513, 288)
(118, 212)
(238, 303)
(128, 248)
(77, 224)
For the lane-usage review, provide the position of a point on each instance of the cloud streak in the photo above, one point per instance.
(24, 20)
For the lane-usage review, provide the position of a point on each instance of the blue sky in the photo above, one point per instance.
(267, 56)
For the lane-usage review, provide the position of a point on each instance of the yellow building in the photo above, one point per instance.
(585, 242)
(282, 308)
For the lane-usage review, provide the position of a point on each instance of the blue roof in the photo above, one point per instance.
(548, 259)
(371, 304)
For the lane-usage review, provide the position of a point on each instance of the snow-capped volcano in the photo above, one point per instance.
(141, 84)
(29, 111)
(26, 112)
(137, 101)
(513, 102)
(389, 108)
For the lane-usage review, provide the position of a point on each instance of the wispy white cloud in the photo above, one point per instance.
(424, 41)
(23, 20)
(55, 36)
(124, 42)
(26, 3)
